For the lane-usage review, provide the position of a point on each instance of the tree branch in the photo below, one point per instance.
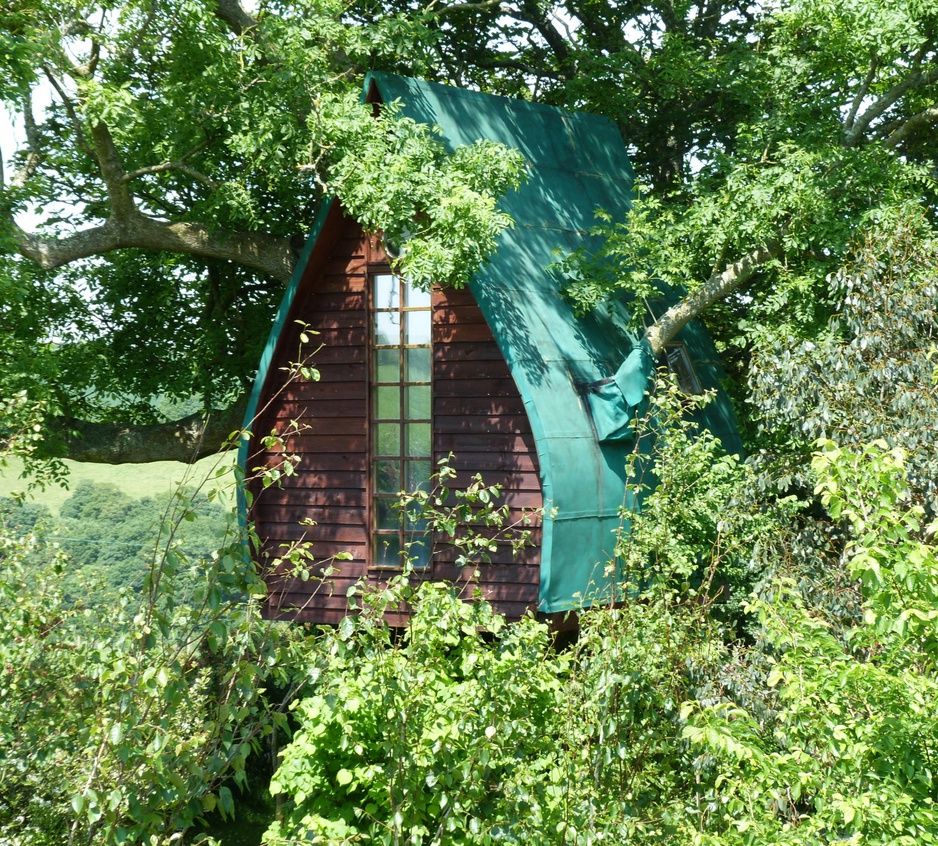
(267, 254)
(914, 81)
(717, 287)
(232, 13)
(861, 94)
(166, 166)
(909, 126)
(464, 7)
(121, 200)
(70, 109)
(126, 227)
(532, 13)
(33, 145)
(188, 439)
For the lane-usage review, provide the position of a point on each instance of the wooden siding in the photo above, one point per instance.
(478, 416)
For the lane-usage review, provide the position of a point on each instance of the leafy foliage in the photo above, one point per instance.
(437, 210)
(870, 374)
(132, 724)
(436, 736)
(848, 755)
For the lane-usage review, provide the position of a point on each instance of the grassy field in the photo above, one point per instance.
(157, 479)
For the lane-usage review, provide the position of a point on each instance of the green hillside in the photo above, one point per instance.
(155, 479)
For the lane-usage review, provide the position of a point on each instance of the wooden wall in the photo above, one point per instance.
(478, 415)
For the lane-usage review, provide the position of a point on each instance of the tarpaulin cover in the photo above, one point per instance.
(576, 164)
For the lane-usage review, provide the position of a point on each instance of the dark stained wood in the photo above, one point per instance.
(480, 425)
(478, 415)
(488, 462)
(479, 369)
(447, 334)
(474, 388)
(496, 442)
(344, 444)
(465, 315)
(320, 391)
(343, 509)
(287, 408)
(472, 351)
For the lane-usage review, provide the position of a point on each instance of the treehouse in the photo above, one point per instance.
(501, 374)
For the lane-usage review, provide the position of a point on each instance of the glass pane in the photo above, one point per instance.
(417, 404)
(388, 476)
(387, 291)
(387, 366)
(388, 439)
(387, 327)
(418, 439)
(415, 298)
(417, 327)
(387, 402)
(418, 475)
(419, 552)
(417, 365)
(387, 515)
(387, 550)
(415, 523)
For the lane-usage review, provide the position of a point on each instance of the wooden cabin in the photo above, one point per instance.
(501, 374)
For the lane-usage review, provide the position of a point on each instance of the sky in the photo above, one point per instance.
(12, 136)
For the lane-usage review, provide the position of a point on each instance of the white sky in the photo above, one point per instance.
(13, 137)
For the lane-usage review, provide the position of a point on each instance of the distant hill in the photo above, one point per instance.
(156, 479)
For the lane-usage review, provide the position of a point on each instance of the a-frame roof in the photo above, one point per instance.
(576, 164)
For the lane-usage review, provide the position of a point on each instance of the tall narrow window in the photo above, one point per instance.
(401, 414)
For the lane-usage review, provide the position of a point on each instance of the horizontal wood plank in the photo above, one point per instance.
(304, 442)
(494, 462)
(469, 351)
(462, 315)
(481, 424)
(469, 389)
(485, 369)
(315, 534)
(324, 391)
(293, 513)
(463, 443)
(459, 333)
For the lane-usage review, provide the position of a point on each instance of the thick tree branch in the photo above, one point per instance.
(267, 254)
(121, 200)
(186, 440)
(913, 124)
(232, 13)
(720, 285)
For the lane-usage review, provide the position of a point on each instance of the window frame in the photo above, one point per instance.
(405, 459)
(678, 361)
